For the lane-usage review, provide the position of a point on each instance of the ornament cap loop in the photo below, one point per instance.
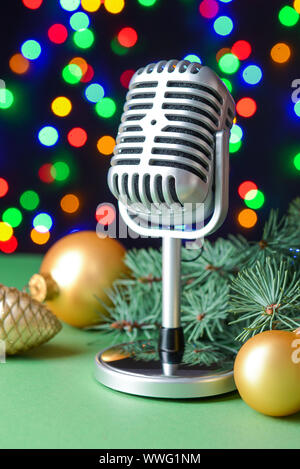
(43, 287)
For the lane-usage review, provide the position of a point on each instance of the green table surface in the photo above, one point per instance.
(50, 399)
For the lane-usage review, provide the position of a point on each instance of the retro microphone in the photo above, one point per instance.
(170, 174)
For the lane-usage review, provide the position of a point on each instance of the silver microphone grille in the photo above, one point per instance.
(166, 140)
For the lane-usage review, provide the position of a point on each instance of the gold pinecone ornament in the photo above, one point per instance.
(24, 322)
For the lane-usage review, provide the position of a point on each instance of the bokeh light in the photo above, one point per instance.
(114, 6)
(79, 21)
(38, 237)
(208, 8)
(91, 5)
(32, 4)
(234, 147)
(127, 37)
(6, 231)
(77, 137)
(72, 74)
(247, 218)
(94, 92)
(81, 63)
(42, 222)
(69, 5)
(61, 106)
(69, 203)
(106, 107)
(246, 107)
(246, 187)
(280, 53)
(58, 33)
(84, 38)
(9, 246)
(193, 58)
(252, 74)
(227, 83)
(236, 133)
(223, 25)
(288, 16)
(12, 216)
(106, 145)
(3, 187)
(48, 136)
(31, 49)
(147, 3)
(126, 77)
(117, 48)
(297, 109)
(29, 200)
(6, 98)
(229, 63)
(44, 173)
(105, 214)
(221, 52)
(296, 5)
(88, 75)
(18, 64)
(242, 49)
(60, 171)
(254, 199)
(297, 161)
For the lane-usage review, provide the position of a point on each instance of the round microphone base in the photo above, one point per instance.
(135, 368)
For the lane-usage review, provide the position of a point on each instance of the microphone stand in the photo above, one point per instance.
(171, 340)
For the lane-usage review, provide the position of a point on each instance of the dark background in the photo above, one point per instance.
(169, 29)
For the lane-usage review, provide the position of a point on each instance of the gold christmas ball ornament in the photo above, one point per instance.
(75, 274)
(24, 322)
(267, 372)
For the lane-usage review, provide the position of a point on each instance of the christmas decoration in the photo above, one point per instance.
(24, 322)
(75, 274)
(267, 372)
(233, 290)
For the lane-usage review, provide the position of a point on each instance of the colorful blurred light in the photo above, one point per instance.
(288, 16)
(18, 64)
(208, 8)
(227, 83)
(9, 246)
(105, 214)
(106, 107)
(147, 3)
(242, 49)
(297, 109)
(236, 133)
(69, 5)
(252, 74)
(117, 48)
(31, 49)
(6, 231)
(58, 33)
(106, 145)
(32, 4)
(3, 187)
(12, 216)
(221, 52)
(246, 187)
(61, 106)
(114, 6)
(42, 222)
(223, 25)
(247, 218)
(246, 107)
(79, 21)
(81, 63)
(127, 37)
(29, 200)
(60, 171)
(234, 147)
(38, 237)
(6, 98)
(91, 5)
(126, 77)
(72, 74)
(94, 92)
(280, 53)
(254, 199)
(229, 63)
(77, 137)
(88, 75)
(84, 38)
(193, 58)
(69, 203)
(44, 173)
(296, 5)
(297, 161)
(48, 136)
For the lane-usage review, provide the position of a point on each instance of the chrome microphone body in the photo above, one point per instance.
(172, 155)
